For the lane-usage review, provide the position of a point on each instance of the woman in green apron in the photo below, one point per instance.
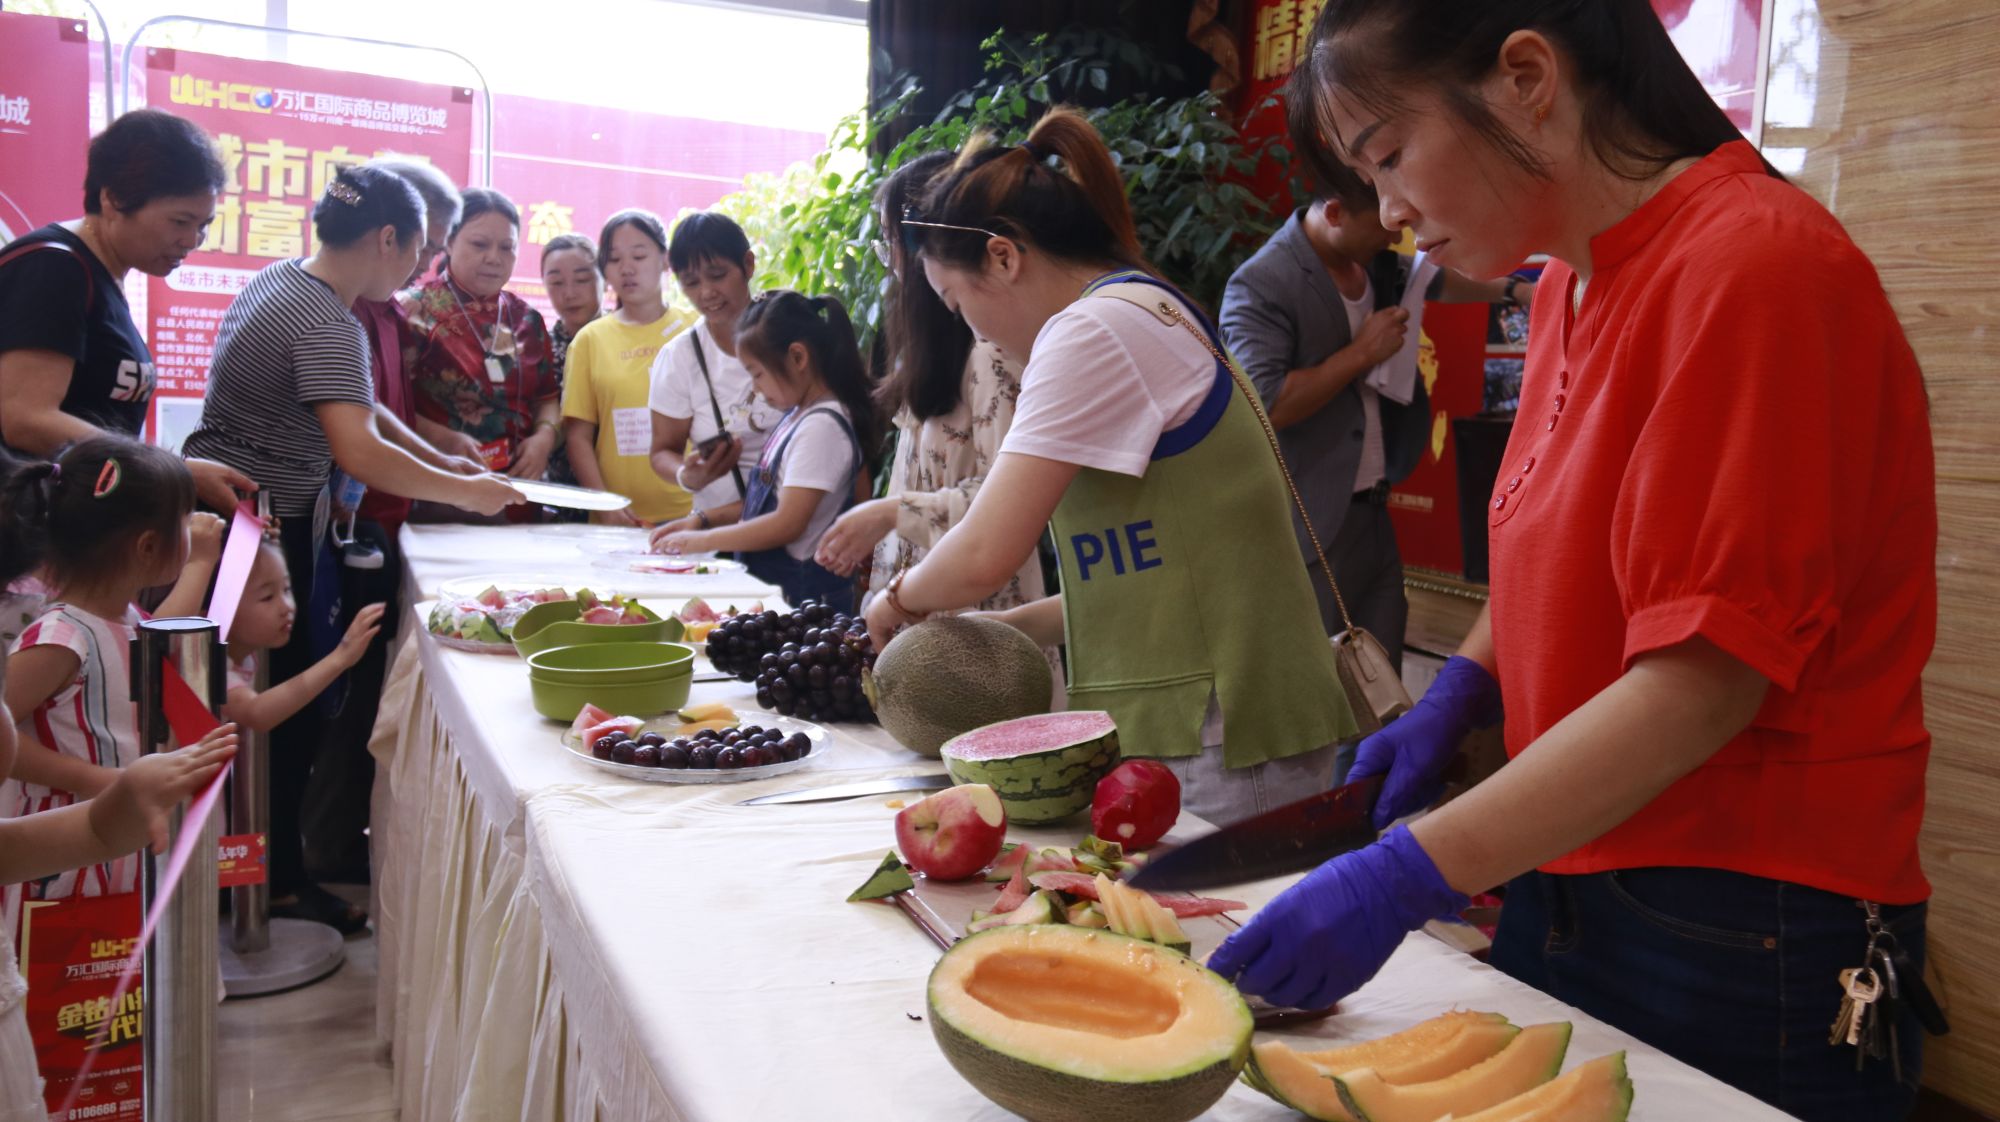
(1132, 439)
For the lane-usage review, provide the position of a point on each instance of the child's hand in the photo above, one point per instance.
(681, 541)
(205, 532)
(135, 809)
(354, 644)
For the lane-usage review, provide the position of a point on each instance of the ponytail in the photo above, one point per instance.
(775, 320)
(80, 513)
(1059, 191)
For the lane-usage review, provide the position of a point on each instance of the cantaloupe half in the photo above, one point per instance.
(1067, 1024)
(1531, 1059)
(1436, 1048)
(1598, 1091)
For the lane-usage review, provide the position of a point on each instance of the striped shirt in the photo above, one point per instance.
(286, 344)
(94, 719)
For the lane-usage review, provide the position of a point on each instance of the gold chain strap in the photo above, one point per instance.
(1257, 407)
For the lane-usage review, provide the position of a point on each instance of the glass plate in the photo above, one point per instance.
(820, 737)
(667, 565)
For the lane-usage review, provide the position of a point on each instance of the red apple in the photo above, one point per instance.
(1136, 804)
(954, 833)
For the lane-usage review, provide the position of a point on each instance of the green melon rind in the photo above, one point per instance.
(1253, 1078)
(1554, 1068)
(889, 878)
(1621, 1082)
(1039, 1094)
(1044, 786)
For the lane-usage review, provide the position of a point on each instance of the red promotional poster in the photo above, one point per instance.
(283, 130)
(240, 860)
(44, 121)
(72, 964)
(570, 167)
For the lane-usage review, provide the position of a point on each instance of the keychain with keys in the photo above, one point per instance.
(1860, 988)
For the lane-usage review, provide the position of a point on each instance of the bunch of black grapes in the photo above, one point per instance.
(807, 663)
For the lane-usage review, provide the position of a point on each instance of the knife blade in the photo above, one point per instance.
(1289, 839)
(853, 790)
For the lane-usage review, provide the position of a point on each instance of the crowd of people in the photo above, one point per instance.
(1712, 587)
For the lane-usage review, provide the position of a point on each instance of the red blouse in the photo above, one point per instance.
(1731, 440)
(450, 335)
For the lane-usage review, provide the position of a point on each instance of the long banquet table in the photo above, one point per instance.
(558, 943)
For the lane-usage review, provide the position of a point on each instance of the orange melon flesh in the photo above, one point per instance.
(1598, 1091)
(1437, 1048)
(1531, 1059)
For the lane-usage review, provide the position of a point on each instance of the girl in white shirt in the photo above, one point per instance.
(802, 357)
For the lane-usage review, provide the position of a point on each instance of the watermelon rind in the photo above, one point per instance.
(1041, 784)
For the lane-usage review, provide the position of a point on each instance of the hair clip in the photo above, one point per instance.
(1035, 151)
(269, 532)
(108, 479)
(343, 191)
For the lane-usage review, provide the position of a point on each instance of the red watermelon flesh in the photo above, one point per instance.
(492, 597)
(627, 725)
(697, 611)
(603, 615)
(591, 715)
(1027, 735)
(1183, 907)
(1012, 895)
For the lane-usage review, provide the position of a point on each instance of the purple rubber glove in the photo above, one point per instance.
(1413, 749)
(1326, 935)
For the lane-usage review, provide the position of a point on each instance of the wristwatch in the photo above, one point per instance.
(1507, 293)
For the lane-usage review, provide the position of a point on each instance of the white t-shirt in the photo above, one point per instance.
(821, 457)
(1374, 465)
(1105, 379)
(680, 391)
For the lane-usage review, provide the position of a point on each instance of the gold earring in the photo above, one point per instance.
(1541, 113)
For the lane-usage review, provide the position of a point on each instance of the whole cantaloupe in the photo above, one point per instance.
(955, 674)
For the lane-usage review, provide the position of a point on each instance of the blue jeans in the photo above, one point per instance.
(1735, 975)
(800, 581)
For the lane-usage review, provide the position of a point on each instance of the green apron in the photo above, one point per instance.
(1186, 581)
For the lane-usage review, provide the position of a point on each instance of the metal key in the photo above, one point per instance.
(1862, 989)
(1883, 1037)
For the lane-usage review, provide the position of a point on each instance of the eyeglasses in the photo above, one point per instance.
(910, 243)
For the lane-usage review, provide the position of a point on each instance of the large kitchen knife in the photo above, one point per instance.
(936, 782)
(1293, 838)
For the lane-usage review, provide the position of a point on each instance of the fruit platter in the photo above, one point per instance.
(667, 564)
(698, 618)
(703, 744)
(479, 615)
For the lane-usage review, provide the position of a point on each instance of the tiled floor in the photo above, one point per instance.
(309, 1055)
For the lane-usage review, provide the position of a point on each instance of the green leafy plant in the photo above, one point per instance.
(1183, 161)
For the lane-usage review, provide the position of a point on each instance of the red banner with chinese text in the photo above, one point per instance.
(44, 121)
(72, 959)
(283, 129)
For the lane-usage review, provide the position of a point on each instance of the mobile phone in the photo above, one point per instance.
(707, 447)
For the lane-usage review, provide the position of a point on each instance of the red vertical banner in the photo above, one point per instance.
(72, 953)
(1424, 507)
(44, 120)
(283, 130)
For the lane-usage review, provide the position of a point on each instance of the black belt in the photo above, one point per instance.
(1377, 495)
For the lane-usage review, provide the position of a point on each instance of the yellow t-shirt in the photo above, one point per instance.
(606, 384)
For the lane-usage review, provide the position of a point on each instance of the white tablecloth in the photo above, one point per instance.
(559, 943)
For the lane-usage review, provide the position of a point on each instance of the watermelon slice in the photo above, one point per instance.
(1011, 858)
(591, 715)
(628, 725)
(1079, 884)
(697, 611)
(1052, 860)
(491, 597)
(604, 615)
(545, 596)
(1012, 895)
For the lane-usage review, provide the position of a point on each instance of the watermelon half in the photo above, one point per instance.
(1045, 767)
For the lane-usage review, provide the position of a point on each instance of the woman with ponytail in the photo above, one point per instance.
(1713, 567)
(1132, 437)
(802, 358)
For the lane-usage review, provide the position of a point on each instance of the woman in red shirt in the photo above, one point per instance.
(1713, 583)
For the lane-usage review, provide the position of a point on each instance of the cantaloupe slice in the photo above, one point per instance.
(1433, 1050)
(1598, 1091)
(1528, 1061)
(1129, 911)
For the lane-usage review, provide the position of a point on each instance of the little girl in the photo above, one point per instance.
(125, 517)
(802, 357)
(108, 519)
(264, 622)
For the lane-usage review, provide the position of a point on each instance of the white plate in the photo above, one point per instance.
(821, 741)
(473, 645)
(563, 495)
(667, 565)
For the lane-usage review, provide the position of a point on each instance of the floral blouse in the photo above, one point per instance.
(445, 359)
(940, 463)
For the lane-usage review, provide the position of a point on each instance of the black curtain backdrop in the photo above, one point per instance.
(938, 40)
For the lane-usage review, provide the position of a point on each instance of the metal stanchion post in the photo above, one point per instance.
(180, 966)
(262, 955)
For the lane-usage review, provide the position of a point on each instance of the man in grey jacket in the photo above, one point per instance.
(1308, 316)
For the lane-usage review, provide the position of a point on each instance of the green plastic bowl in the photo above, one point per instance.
(593, 664)
(547, 626)
(562, 701)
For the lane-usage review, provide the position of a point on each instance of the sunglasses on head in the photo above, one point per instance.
(913, 240)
